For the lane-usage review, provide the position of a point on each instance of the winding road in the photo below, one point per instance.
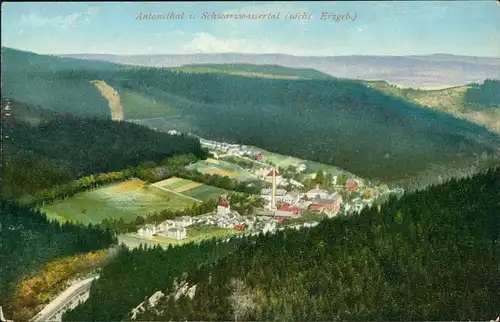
(67, 300)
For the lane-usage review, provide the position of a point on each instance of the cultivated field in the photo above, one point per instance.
(125, 200)
(222, 168)
(191, 189)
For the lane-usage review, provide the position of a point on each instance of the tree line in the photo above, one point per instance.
(483, 95)
(58, 151)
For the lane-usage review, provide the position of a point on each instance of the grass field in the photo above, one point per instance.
(191, 188)
(222, 168)
(125, 200)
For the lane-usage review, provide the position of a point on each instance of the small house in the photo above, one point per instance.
(352, 185)
(177, 233)
(317, 193)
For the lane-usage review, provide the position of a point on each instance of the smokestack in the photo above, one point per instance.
(273, 195)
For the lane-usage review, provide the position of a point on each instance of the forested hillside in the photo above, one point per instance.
(333, 121)
(66, 148)
(486, 94)
(29, 241)
(338, 122)
(39, 80)
(431, 255)
(251, 70)
(478, 103)
(135, 274)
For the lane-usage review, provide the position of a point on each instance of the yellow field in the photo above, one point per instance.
(187, 187)
(113, 98)
(168, 181)
(221, 172)
(129, 186)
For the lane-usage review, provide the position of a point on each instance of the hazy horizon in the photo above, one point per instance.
(242, 53)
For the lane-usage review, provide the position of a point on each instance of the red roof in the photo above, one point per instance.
(276, 173)
(258, 156)
(316, 207)
(224, 203)
(286, 207)
(240, 227)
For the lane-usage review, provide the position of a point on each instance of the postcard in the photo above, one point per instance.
(250, 161)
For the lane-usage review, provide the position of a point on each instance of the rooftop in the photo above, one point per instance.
(276, 173)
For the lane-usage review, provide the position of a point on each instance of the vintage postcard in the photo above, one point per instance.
(250, 161)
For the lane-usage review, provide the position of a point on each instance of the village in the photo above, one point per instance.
(286, 202)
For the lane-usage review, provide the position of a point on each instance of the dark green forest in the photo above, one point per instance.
(338, 122)
(134, 274)
(431, 255)
(269, 70)
(486, 94)
(29, 241)
(334, 121)
(57, 151)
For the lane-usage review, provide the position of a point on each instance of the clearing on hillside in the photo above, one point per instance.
(125, 200)
(222, 168)
(191, 188)
(113, 98)
(221, 172)
(140, 106)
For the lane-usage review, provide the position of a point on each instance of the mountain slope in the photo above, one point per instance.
(416, 71)
(335, 121)
(61, 148)
(265, 71)
(455, 101)
(52, 83)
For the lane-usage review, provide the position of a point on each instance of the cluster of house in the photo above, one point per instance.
(175, 229)
(236, 149)
(174, 132)
(291, 204)
(224, 217)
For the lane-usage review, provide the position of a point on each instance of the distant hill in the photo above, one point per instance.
(467, 102)
(48, 82)
(427, 71)
(335, 121)
(266, 71)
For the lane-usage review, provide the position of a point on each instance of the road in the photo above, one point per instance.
(66, 300)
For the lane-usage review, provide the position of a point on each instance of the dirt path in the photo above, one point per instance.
(179, 194)
(113, 99)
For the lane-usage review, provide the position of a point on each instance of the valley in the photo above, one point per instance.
(236, 186)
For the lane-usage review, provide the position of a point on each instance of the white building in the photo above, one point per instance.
(317, 193)
(177, 233)
(301, 167)
(164, 226)
(147, 231)
(223, 208)
(183, 222)
(311, 224)
(292, 197)
(267, 194)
